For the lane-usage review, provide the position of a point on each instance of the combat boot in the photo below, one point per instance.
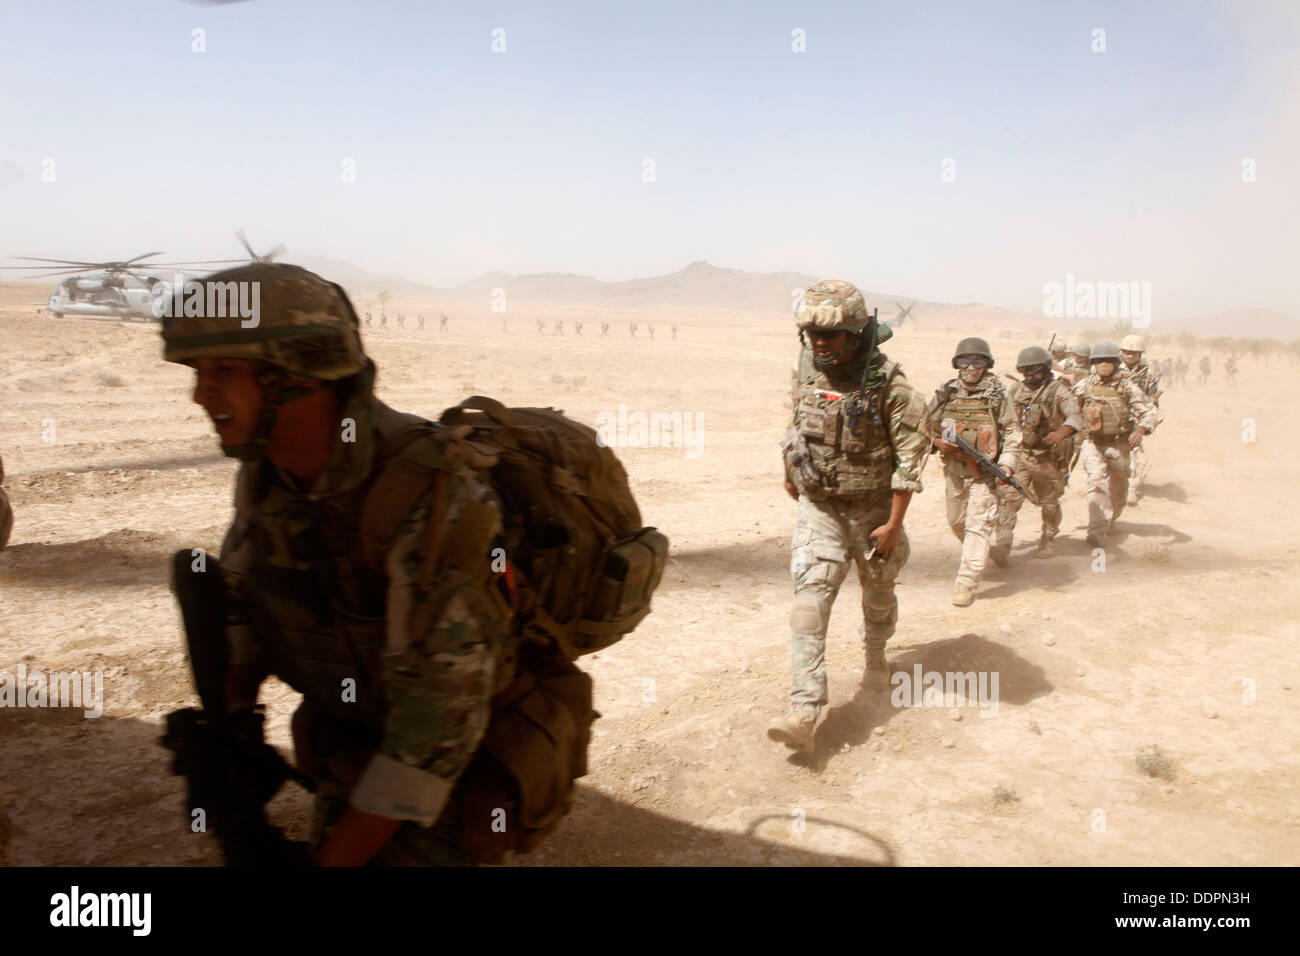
(877, 672)
(1046, 547)
(962, 596)
(1000, 553)
(796, 729)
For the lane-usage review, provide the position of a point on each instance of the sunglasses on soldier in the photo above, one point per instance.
(971, 361)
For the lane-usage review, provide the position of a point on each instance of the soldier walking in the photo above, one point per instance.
(420, 323)
(577, 328)
(1116, 415)
(853, 459)
(1075, 368)
(1049, 417)
(559, 327)
(973, 406)
(1144, 377)
(604, 330)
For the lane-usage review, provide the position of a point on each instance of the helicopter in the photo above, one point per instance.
(120, 289)
(904, 313)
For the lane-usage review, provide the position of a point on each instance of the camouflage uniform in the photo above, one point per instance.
(972, 504)
(419, 631)
(1106, 461)
(860, 466)
(1144, 377)
(1042, 469)
(6, 512)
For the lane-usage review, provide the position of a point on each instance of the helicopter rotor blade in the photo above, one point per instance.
(65, 262)
(147, 255)
(244, 240)
(277, 251)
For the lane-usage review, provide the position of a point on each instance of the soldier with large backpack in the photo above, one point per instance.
(853, 459)
(1116, 414)
(975, 407)
(1049, 418)
(424, 585)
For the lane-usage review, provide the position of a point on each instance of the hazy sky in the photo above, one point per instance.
(1118, 165)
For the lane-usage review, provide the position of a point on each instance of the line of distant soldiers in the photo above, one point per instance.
(368, 323)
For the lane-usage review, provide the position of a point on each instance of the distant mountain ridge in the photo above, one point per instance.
(703, 285)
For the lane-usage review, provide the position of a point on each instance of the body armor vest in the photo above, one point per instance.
(853, 461)
(974, 418)
(318, 608)
(1105, 410)
(1038, 413)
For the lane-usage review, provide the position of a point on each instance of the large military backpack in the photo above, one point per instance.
(582, 569)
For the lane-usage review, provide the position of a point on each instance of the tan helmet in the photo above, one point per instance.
(1133, 343)
(833, 304)
(300, 322)
(1058, 342)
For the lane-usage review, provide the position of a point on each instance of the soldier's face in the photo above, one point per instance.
(1059, 356)
(228, 391)
(826, 344)
(1130, 358)
(1105, 367)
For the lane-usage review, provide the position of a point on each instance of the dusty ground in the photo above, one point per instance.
(1198, 597)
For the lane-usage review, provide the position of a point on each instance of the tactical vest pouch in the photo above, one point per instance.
(799, 463)
(812, 422)
(621, 595)
(1106, 414)
(519, 786)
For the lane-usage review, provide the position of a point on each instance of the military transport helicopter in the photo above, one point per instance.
(120, 289)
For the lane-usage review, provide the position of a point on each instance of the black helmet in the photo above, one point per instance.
(972, 346)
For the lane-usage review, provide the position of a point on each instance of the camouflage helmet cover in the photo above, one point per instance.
(1105, 351)
(304, 324)
(1083, 350)
(833, 304)
(1133, 343)
(1033, 355)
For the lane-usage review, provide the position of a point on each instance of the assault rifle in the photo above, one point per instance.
(231, 771)
(986, 465)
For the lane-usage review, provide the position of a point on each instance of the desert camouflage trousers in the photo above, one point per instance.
(1044, 478)
(827, 536)
(1106, 468)
(972, 514)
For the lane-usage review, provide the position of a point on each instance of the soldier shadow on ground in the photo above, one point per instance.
(770, 554)
(602, 831)
(136, 464)
(1125, 529)
(99, 792)
(1026, 572)
(102, 562)
(1165, 492)
(852, 724)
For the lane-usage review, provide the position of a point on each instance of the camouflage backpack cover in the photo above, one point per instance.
(581, 570)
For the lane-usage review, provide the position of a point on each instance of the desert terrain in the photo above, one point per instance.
(1186, 641)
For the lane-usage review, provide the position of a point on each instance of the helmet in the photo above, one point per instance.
(1033, 355)
(833, 304)
(1133, 343)
(1058, 342)
(1083, 350)
(973, 346)
(303, 324)
(1103, 351)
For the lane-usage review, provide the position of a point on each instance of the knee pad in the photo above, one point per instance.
(809, 614)
(882, 607)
